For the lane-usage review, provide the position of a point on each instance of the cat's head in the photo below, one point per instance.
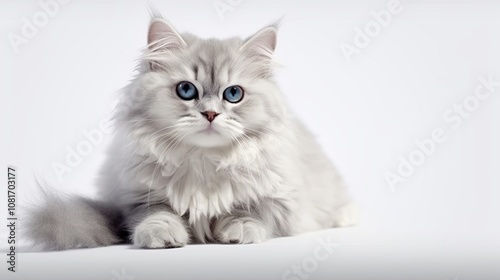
(207, 92)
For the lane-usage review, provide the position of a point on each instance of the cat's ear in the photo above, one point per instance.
(163, 40)
(163, 37)
(262, 44)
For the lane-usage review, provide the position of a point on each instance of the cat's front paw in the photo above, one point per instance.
(240, 230)
(160, 230)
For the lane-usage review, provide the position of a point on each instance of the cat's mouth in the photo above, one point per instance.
(209, 130)
(209, 137)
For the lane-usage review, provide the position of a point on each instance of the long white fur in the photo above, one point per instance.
(258, 174)
(207, 182)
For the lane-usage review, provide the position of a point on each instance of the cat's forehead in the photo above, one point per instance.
(213, 46)
(211, 62)
(214, 53)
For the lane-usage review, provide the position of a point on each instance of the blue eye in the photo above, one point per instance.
(233, 94)
(187, 91)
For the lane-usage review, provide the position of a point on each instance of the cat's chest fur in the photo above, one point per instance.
(206, 186)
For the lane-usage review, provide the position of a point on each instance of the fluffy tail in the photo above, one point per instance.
(73, 222)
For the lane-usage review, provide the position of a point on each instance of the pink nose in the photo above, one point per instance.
(210, 115)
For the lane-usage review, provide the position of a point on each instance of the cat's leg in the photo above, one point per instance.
(157, 226)
(266, 219)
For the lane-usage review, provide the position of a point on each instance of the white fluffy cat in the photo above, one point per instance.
(206, 150)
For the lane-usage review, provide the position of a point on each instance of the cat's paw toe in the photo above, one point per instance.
(242, 230)
(160, 231)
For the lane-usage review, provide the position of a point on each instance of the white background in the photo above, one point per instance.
(365, 113)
